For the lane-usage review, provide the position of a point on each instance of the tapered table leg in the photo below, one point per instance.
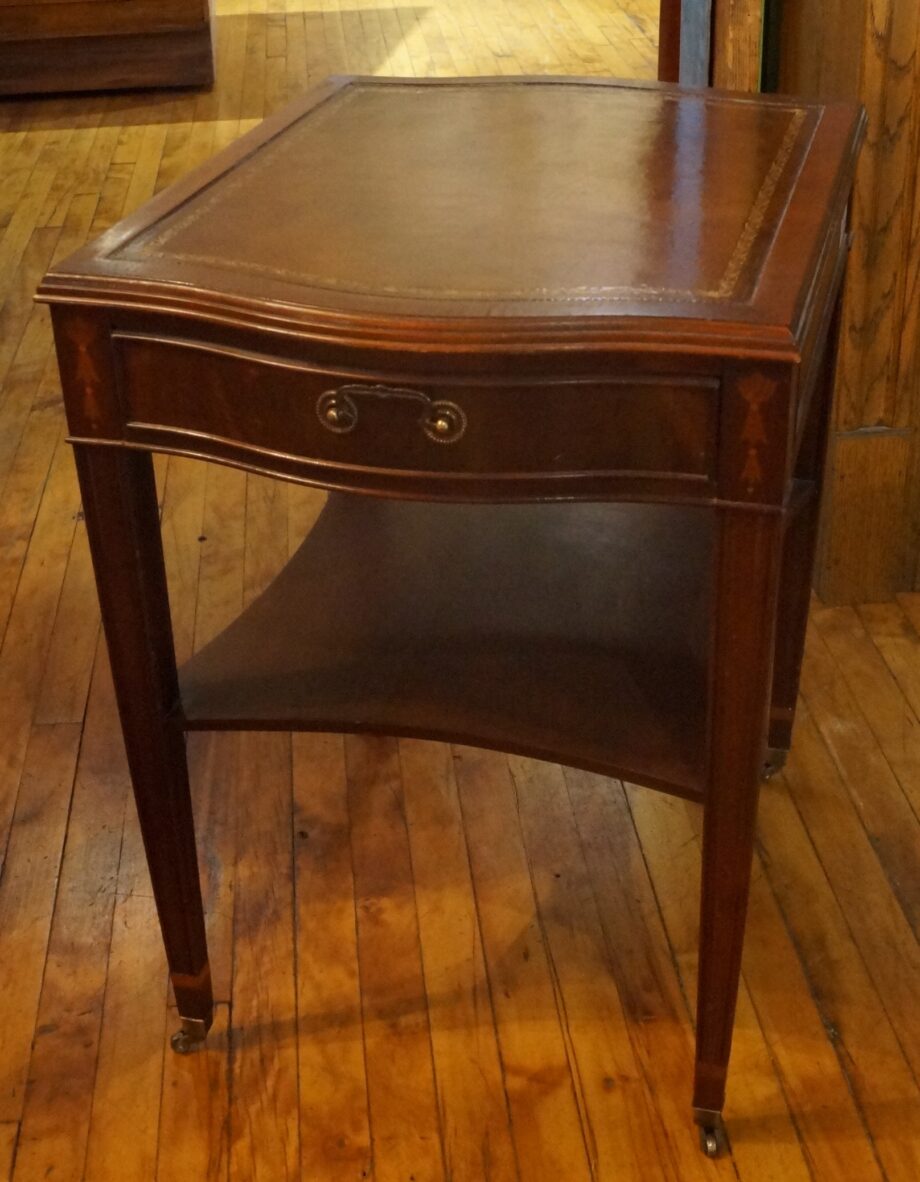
(748, 562)
(794, 596)
(799, 546)
(119, 501)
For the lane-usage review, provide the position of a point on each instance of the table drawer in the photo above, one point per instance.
(191, 394)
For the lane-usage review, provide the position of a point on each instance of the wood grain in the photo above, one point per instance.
(737, 39)
(477, 1135)
(669, 38)
(9, 1131)
(264, 1139)
(890, 87)
(193, 1137)
(888, 713)
(334, 1131)
(641, 960)
(49, 18)
(405, 1121)
(99, 44)
(804, 1090)
(214, 759)
(265, 1144)
(612, 1091)
(828, 1120)
(548, 1123)
(862, 553)
(896, 638)
(670, 841)
(124, 1127)
(885, 809)
(853, 1014)
(869, 50)
(58, 1100)
(878, 924)
(31, 617)
(27, 889)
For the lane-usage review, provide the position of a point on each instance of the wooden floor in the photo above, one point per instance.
(431, 964)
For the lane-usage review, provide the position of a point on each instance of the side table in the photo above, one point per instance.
(562, 351)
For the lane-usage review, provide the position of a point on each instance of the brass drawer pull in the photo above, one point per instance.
(337, 411)
(442, 421)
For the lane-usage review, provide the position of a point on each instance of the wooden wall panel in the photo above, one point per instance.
(862, 544)
(907, 376)
(805, 26)
(737, 43)
(717, 42)
(869, 49)
(868, 393)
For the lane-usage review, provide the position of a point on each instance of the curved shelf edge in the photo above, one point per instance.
(569, 632)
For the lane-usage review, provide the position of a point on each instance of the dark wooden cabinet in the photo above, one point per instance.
(60, 45)
(561, 353)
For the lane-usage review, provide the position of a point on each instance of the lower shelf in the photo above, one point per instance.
(571, 632)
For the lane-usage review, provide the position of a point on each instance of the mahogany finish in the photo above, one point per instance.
(482, 292)
(572, 632)
(54, 45)
(669, 32)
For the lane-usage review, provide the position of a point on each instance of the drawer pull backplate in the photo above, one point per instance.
(442, 421)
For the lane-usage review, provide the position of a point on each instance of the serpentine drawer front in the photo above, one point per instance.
(195, 395)
(561, 353)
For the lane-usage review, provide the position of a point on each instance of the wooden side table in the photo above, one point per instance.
(562, 350)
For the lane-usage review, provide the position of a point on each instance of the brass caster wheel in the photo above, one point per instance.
(191, 1035)
(710, 1142)
(774, 761)
(713, 1140)
(181, 1043)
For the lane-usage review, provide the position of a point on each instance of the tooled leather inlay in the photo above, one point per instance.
(727, 272)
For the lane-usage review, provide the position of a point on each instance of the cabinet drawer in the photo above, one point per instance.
(186, 394)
